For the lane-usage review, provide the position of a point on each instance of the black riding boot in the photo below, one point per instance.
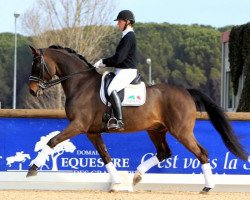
(115, 124)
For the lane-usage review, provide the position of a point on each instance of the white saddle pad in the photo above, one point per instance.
(134, 95)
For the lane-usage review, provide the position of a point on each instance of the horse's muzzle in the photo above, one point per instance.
(33, 93)
(34, 89)
(36, 93)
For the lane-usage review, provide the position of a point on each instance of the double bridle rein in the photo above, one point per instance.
(43, 84)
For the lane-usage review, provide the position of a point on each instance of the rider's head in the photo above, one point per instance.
(125, 18)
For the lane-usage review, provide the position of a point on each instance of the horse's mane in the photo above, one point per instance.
(71, 51)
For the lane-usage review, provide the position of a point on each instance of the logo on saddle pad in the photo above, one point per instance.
(132, 95)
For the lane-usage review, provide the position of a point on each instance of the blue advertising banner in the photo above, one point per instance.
(21, 139)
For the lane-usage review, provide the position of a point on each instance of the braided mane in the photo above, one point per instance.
(71, 51)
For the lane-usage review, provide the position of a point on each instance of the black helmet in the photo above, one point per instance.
(126, 15)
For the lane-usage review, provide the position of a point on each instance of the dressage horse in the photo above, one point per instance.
(167, 109)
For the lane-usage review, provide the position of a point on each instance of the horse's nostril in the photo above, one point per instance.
(32, 93)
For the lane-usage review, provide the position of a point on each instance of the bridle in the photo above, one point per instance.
(44, 69)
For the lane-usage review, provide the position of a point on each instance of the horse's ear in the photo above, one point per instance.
(34, 51)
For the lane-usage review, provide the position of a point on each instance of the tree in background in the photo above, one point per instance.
(6, 47)
(188, 56)
(181, 55)
(78, 24)
(199, 51)
(7, 66)
(239, 58)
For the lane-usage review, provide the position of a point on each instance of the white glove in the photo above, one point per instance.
(99, 64)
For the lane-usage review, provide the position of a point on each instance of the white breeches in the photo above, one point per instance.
(122, 79)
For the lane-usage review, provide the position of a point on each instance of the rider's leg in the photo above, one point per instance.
(116, 104)
(122, 79)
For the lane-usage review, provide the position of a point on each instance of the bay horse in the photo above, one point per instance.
(167, 109)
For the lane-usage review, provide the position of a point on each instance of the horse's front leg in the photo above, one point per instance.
(96, 140)
(73, 129)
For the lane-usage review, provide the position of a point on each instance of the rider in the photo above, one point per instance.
(124, 61)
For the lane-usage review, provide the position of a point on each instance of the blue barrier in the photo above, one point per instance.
(21, 139)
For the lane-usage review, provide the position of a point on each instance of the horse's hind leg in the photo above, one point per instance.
(163, 152)
(189, 141)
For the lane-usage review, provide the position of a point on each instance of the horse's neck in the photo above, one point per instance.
(79, 83)
(67, 66)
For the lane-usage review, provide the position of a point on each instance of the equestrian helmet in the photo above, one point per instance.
(126, 15)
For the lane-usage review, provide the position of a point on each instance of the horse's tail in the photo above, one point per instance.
(220, 122)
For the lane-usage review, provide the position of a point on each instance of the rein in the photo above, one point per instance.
(43, 84)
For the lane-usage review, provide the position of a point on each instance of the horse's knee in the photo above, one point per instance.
(163, 155)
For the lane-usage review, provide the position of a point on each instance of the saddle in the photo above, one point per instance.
(133, 95)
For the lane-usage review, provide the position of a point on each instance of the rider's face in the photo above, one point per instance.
(121, 24)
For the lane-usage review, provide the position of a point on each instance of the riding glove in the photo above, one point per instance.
(99, 64)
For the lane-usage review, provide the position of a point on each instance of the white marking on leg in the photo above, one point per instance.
(148, 164)
(143, 168)
(42, 156)
(115, 176)
(208, 176)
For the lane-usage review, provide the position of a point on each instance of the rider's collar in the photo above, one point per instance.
(129, 29)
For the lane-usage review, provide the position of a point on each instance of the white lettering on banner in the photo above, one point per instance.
(121, 162)
(87, 152)
(230, 164)
(169, 162)
(246, 166)
(213, 163)
(172, 162)
(88, 171)
(76, 163)
(195, 163)
(146, 157)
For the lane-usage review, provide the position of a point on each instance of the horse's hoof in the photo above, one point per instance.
(114, 187)
(205, 190)
(137, 178)
(32, 171)
(121, 187)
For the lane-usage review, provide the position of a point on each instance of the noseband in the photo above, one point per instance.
(40, 80)
(41, 83)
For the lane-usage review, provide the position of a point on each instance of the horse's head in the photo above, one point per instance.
(55, 60)
(42, 71)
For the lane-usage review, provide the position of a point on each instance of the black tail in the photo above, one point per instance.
(220, 122)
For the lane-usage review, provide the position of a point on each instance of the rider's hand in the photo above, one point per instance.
(99, 64)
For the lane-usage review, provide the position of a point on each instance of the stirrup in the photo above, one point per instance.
(114, 124)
